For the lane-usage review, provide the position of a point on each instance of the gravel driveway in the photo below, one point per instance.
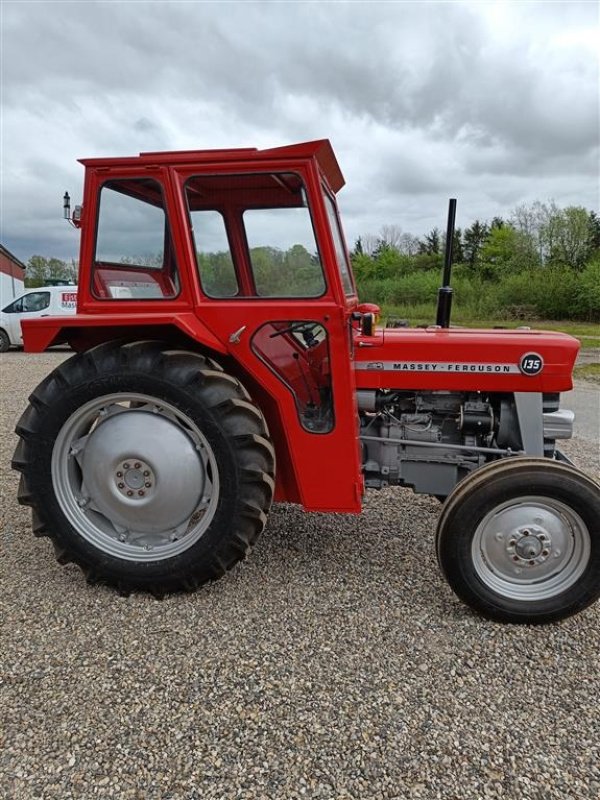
(334, 663)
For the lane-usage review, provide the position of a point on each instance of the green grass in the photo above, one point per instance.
(589, 372)
(588, 333)
(589, 341)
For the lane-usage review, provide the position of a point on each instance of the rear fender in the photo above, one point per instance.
(86, 330)
(186, 332)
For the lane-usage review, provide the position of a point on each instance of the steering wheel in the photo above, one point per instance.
(304, 328)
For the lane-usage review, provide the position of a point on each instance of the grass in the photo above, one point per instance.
(589, 372)
(588, 333)
(588, 341)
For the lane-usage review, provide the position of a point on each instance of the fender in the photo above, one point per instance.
(86, 330)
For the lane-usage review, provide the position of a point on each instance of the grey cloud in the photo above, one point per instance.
(420, 101)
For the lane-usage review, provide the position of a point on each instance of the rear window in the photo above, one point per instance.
(134, 258)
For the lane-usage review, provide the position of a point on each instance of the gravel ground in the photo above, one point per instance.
(333, 663)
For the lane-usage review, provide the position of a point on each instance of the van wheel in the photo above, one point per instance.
(149, 468)
(4, 341)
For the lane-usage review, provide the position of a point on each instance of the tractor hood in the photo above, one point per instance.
(465, 359)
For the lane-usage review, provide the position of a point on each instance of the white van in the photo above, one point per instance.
(45, 301)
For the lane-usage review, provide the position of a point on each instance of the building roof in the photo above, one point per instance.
(6, 252)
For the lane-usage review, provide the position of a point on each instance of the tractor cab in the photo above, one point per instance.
(239, 253)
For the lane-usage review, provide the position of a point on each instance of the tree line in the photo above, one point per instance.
(41, 270)
(542, 261)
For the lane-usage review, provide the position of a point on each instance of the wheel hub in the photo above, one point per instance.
(135, 478)
(529, 546)
(142, 472)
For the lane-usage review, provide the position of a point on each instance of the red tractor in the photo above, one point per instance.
(223, 362)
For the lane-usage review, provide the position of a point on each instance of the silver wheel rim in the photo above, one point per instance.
(533, 548)
(135, 477)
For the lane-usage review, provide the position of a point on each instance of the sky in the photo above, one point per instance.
(494, 103)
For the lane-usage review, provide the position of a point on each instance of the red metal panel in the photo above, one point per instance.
(464, 360)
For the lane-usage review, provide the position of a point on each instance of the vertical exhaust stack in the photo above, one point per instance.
(444, 307)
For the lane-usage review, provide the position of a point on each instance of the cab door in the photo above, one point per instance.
(267, 294)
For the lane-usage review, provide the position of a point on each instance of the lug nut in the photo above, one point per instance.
(137, 465)
(141, 492)
(146, 473)
(126, 466)
(147, 485)
(545, 552)
(119, 474)
(531, 563)
(516, 558)
(129, 493)
(121, 485)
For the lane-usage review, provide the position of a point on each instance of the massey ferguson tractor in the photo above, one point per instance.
(223, 362)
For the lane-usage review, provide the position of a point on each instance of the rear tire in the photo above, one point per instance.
(150, 468)
(519, 540)
(4, 341)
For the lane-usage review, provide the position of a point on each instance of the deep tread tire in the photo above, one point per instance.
(220, 408)
(4, 341)
(497, 485)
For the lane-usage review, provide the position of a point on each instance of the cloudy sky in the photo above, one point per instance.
(496, 103)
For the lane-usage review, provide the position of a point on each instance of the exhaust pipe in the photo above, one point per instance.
(444, 307)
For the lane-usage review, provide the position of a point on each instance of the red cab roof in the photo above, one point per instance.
(321, 150)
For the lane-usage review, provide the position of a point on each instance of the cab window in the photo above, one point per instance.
(283, 252)
(135, 258)
(213, 255)
(254, 236)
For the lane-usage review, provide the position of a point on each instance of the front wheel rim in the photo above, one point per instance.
(531, 548)
(135, 477)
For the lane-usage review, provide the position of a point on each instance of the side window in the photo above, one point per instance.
(36, 301)
(340, 250)
(134, 258)
(213, 255)
(283, 252)
(15, 307)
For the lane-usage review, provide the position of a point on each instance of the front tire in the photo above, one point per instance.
(149, 468)
(519, 540)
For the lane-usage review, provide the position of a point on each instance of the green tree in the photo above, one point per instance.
(431, 243)
(40, 269)
(473, 240)
(594, 225)
(573, 241)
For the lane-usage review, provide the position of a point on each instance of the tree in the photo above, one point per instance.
(573, 241)
(409, 244)
(594, 225)
(473, 240)
(431, 243)
(391, 235)
(40, 269)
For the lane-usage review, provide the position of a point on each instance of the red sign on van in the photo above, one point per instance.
(68, 299)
